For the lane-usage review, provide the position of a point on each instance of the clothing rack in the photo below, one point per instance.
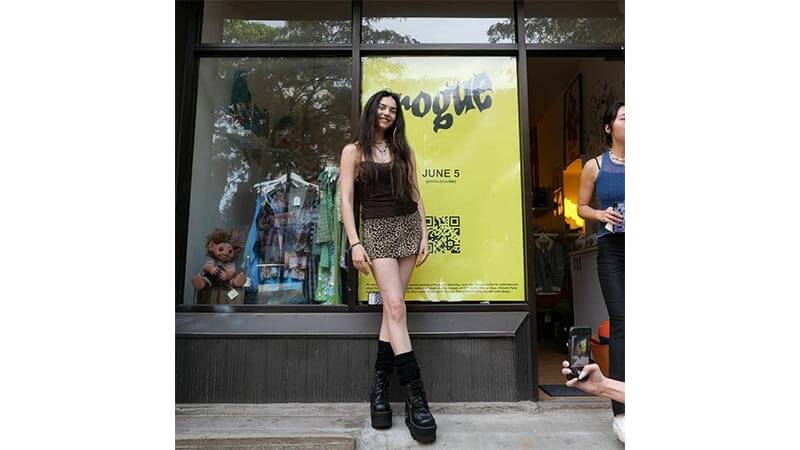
(297, 179)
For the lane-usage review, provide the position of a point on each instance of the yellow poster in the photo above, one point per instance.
(462, 122)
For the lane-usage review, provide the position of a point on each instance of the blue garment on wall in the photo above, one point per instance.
(251, 258)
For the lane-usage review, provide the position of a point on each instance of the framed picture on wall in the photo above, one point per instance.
(573, 121)
(558, 202)
(558, 191)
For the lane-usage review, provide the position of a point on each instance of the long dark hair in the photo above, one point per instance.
(402, 185)
(608, 119)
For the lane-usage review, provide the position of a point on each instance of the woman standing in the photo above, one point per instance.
(605, 177)
(382, 167)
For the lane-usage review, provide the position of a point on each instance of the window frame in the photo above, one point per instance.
(186, 100)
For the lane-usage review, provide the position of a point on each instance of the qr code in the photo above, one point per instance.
(444, 234)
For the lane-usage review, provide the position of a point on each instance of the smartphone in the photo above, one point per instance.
(579, 356)
(620, 208)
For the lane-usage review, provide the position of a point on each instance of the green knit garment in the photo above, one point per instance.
(328, 231)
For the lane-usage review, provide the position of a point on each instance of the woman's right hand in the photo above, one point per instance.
(360, 259)
(610, 215)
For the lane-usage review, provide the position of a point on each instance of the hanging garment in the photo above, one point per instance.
(306, 244)
(280, 241)
(343, 242)
(328, 239)
(550, 267)
(252, 258)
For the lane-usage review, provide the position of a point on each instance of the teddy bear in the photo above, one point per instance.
(219, 269)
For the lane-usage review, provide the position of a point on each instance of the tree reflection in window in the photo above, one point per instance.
(372, 34)
(240, 31)
(243, 31)
(284, 114)
(566, 30)
(378, 30)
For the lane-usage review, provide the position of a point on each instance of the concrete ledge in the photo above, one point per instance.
(270, 443)
(365, 325)
(554, 424)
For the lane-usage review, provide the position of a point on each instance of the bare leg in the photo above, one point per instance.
(406, 269)
(385, 324)
(387, 276)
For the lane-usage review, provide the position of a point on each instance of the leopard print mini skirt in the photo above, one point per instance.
(393, 237)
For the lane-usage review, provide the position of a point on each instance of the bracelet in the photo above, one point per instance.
(351, 247)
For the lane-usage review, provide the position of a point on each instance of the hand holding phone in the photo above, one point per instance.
(579, 353)
(616, 214)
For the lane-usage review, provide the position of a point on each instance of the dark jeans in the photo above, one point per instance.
(611, 271)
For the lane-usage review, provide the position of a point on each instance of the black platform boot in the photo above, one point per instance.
(379, 408)
(419, 419)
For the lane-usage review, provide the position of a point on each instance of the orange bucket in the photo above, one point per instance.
(600, 355)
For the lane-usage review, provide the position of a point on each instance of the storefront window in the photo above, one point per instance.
(268, 133)
(586, 22)
(429, 22)
(462, 120)
(277, 22)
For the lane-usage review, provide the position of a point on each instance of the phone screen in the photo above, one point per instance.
(579, 347)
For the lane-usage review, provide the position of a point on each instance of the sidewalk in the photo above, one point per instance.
(552, 424)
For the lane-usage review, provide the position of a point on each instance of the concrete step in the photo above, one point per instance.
(270, 443)
(554, 424)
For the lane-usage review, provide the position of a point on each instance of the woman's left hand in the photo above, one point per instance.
(590, 380)
(423, 251)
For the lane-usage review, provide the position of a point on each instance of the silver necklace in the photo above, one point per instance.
(615, 157)
(382, 149)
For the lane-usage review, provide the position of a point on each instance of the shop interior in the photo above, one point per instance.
(568, 97)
